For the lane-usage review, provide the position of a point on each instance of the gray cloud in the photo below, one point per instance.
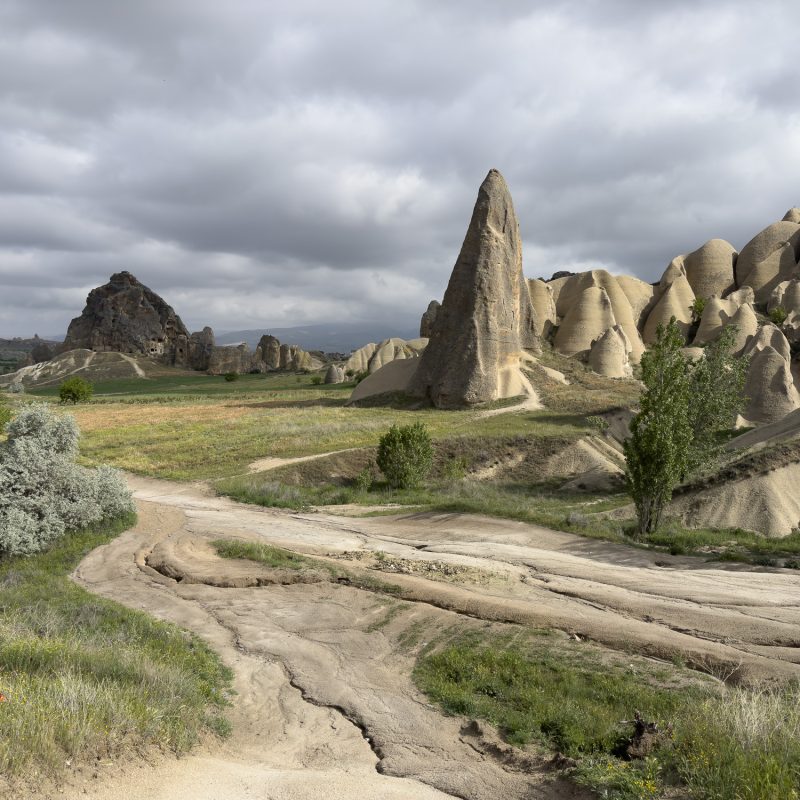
(266, 164)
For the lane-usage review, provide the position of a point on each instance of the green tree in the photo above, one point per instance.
(405, 455)
(684, 408)
(716, 384)
(75, 390)
(778, 315)
(657, 452)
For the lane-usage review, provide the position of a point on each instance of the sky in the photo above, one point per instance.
(261, 163)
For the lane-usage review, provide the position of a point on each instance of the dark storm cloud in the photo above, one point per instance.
(263, 163)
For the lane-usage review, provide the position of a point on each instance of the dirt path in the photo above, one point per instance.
(269, 463)
(325, 705)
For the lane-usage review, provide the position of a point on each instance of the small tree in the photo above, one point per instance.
(697, 308)
(656, 454)
(75, 390)
(405, 455)
(778, 315)
(716, 384)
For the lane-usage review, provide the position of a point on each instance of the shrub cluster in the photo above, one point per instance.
(75, 390)
(43, 492)
(405, 455)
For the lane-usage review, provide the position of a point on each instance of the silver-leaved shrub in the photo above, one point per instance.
(43, 492)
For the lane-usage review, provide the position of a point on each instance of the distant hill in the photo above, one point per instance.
(332, 337)
(14, 351)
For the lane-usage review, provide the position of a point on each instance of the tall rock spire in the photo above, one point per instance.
(486, 320)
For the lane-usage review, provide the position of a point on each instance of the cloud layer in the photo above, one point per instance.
(277, 166)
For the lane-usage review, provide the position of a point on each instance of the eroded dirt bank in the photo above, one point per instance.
(325, 705)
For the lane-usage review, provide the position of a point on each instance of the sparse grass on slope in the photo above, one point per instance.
(262, 553)
(85, 677)
(736, 743)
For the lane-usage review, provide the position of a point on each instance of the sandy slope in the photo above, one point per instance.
(325, 705)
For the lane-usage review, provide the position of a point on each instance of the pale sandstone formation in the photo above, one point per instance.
(763, 244)
(428, 319)
(610, 354)
(371, 357)
(769, 335)
(230, 359)
(676, 299)
(778, 266)
(334, 374)
(792, 215)
(125, 316)
(709, 269)
(394, 378)
(746, 323)
(641, 296)
(293, 358)
(486, 320)
(769, 387)
(742, 296)
(716, 315)
(588, 317)
(556, 285)
(785, 295)
(693, 353)
(570, 294)
(544, 306)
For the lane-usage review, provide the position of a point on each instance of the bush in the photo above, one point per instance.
(230, 377)
(17, 388)
(405, 455)
(316, 380)
(364, 480)
(43, 492)
(778, 315)
(75, 390)
(5, 414)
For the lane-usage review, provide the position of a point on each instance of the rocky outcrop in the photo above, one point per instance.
(764, 244)
(571, 293)
(675, 300)
(269, 352)
(198, 349)
(769, 335)
(230, 359)
(610, 354)
(641, 297)
(746, 323)
(785, 295)
(125, 316)
(486, 321)
(709, 269)
(716, 315)
(588, 317)
(293, 358)
(334, 374)
(371, 357)
(428, 319)
(544, 306)
(778, 266)
(769, 387)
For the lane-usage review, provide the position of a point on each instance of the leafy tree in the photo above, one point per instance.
(405, 455)
(75, 390)
(657, 452)
(684, 408)
(716, 384)
(697, 308)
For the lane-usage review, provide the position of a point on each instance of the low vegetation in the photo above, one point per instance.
(405, 455)
(261, 553)
(75, 390)
(83, 677)
(714, 743)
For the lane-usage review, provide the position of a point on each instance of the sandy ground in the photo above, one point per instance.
(325, 704)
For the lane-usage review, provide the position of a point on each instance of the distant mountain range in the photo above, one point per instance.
(332, 337)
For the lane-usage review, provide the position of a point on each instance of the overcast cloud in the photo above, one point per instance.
(260, 163)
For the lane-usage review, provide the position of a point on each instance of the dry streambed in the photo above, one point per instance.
(325, 704)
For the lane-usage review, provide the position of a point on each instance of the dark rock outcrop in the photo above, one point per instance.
(486, 320)
(428, 319)
(125, 316)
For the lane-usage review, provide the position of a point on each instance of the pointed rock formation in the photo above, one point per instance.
(544, 306)
(792, 215)
(125, 316)
(769, 335)
(746, 322)
(372, 357)
(486, 320)
(428, 319)
(609, 355)
(763, 244)
(640, 295)
(570, 294)
(359, 359)
(785, 295)
(199, 348)
(676, 300)
(716, 315)
(709, 269)
(769, 387)
(335, 374)
(779, 266)
(589, 316)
